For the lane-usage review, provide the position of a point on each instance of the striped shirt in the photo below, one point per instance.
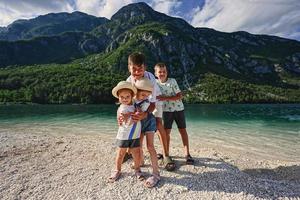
(128, 130)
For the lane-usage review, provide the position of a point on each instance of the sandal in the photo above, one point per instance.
(152, 181)
(169, 163)
(139, 175)
(189, 160)
(115, 175)
(160, 156)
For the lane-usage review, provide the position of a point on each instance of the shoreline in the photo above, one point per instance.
(185, 103)
(48, 165)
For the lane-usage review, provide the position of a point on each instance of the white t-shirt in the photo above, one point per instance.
(170, 88)
(156, 91)
(128, 130)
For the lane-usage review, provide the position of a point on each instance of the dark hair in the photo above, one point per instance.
(160, 65)
(136, 58)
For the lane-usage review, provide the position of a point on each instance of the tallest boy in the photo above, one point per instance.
(137, 69)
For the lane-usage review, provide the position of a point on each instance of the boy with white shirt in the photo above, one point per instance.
(173, 108)
(137, 69)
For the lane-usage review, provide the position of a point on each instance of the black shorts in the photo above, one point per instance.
(178, 116)
(128, 143)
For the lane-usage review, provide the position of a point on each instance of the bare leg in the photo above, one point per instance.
(168, 131)
(185, 140)
(162, 136)
(152, 151)
(119, 159)
(136, 157)
(141, 150)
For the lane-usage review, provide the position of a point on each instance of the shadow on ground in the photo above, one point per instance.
(218, 175)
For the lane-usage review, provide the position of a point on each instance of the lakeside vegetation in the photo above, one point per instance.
(90, 80)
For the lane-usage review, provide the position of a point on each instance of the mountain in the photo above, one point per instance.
(55, 37)
(49, 25)
(210, 66)
(59, 48)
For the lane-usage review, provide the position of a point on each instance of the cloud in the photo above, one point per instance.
(103, 8)
(168, 7)
(106, 8)
(11, 10)
(274, 17)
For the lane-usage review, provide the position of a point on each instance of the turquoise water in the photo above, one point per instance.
(264, 129)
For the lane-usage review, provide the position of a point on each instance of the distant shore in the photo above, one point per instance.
(53, 166)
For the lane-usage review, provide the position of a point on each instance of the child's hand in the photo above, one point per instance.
(120, 119)
(126, 116)
(138, 116)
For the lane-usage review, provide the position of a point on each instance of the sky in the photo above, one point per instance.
(271, 17)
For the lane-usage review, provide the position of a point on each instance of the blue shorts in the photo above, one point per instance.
(149, 124)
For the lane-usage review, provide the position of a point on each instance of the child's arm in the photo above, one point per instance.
(178, 96)
(175, 88)
(126, 116)
(138, 116)
(120, 118)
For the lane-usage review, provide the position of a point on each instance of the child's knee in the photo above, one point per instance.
(159, 127)
(150, 147)
(122, 152)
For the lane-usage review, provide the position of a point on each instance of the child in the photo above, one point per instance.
(169, 164)
(141, 104)
(173, 108)
(136, 67)
(129, 132)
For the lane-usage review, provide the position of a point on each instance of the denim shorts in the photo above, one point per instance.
(149, 124)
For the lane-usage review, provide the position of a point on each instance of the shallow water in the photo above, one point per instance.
(270, 130)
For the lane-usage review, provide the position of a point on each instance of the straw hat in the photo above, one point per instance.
(123, 85)
(144, 84)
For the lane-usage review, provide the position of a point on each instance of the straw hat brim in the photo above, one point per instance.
(123, 85)
(144, 84)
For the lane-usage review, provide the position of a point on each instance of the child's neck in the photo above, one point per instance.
(163, 80)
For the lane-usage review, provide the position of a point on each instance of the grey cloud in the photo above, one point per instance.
(11, 10)
(274, 17)
(39, 4)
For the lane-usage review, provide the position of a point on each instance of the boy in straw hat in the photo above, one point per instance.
(129, 132)
(142, 103)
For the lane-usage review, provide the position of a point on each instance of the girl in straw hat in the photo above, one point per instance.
(129, 132)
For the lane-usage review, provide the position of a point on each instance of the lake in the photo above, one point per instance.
(264, 129)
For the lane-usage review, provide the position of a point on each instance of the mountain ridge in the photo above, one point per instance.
(49, 25)
(256, 62)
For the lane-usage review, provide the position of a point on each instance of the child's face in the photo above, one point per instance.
(125, 97)
(161, 73)
(142, 95)
(136, 71)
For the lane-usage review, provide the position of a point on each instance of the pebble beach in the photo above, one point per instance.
(48, 165)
